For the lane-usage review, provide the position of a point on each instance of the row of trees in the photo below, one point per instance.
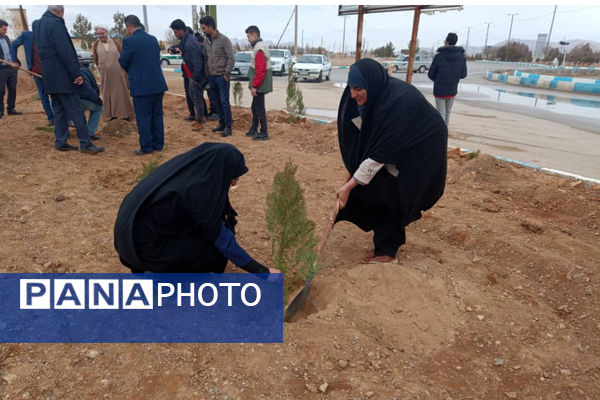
(581, 54)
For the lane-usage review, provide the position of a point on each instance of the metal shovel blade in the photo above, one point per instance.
(298, 301)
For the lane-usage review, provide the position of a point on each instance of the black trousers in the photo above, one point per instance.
(197, 98)
(215, 102)
(259, 114)
(8, 78)
(188, 99)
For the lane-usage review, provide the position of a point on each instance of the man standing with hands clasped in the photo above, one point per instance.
(220, 62)
(260, 82)
(193, 56)
(140, 58)
(62, 79)
(8, 72)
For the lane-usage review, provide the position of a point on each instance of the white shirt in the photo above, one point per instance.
(369, 167)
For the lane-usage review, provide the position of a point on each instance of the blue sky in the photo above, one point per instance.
(322, 22)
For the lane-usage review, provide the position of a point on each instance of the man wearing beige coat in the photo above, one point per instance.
(115, 93)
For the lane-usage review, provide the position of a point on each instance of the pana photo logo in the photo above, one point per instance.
(141, 308)
(133, 294)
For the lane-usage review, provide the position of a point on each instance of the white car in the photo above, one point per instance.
(312, 66)
(420, 64)
(281, 61)
(170, 59)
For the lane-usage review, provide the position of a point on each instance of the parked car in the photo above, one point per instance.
(84, 57)
(421, 63)
(281, 61)
(170, 59)
(312, 66)
(241, 67)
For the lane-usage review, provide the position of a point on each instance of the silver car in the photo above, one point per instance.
(243, 59)
(421, 63)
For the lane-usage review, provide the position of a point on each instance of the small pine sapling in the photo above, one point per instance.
(294, 103)
(293, 248)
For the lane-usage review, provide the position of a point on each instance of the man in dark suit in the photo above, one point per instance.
(8, 72)
(62, 78)
(140, 58)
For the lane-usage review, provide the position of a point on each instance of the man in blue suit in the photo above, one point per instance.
(33, 64)
(140, 58)
(62, 79)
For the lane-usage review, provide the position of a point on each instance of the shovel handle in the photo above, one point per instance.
(22, 69)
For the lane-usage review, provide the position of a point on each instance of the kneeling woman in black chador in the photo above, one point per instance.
(179, 219)
(393, 143)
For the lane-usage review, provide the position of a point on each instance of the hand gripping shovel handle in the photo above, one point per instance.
(23, 69)
(301, 297)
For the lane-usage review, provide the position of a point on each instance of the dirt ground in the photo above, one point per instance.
(494, 296)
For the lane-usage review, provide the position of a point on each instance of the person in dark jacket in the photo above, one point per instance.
(8, 72)
(89, 99)
(193, 56)
(179, 218)
(140, 58)
(393, 144)
(33, 64)
(448, 67)
(61, 79)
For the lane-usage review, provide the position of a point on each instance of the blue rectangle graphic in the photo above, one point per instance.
(141, 308)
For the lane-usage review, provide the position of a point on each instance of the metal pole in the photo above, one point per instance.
(413, 44)
(486, 38)
(295, 30)
(302, 40)
(512, 16)
(550, 33)
(359, 32)
(146, 26)
(344, 37)
(467, 45)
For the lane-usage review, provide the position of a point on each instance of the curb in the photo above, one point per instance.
(562, 83)
(168, 69)
(539, 65)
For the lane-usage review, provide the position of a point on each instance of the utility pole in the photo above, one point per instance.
(344, 37)
(302, 40)
(359, 33)
(550, 32)
(486, 38)
(512, 16)
(295, 30)
(195, 18)
(467, 45)
(146, 26)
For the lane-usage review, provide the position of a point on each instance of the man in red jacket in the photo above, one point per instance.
(260, 80)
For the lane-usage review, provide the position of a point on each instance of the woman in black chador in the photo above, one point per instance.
(179, 219)
(393, 143)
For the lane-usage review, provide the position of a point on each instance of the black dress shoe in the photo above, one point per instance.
(92, 149)
(139, 152)
(226, 132)
(65, 147)
(14, 112)
(213, 117)
(94, 137)
(261, 136)
(218, 128)
(190, 118)
(252, 132)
